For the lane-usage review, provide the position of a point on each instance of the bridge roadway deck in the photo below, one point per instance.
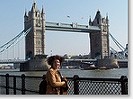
(5, 61)
(23, 60)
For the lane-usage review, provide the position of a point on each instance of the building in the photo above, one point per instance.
(99, 41)
(34, 40)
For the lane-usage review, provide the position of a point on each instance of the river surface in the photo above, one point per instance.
(109, 73)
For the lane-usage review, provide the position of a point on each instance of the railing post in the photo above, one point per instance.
(7, 83)
(14, 84)
(124, 85)
(76, 84)
(23, 83)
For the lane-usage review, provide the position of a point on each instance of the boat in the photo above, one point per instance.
(87, 66)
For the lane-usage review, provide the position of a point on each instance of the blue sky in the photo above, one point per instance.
(12, 22)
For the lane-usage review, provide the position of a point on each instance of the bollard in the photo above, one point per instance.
(7, 83)
(124, 85)
(76, 84)
(23, 83)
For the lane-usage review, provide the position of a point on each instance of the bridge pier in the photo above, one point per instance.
(107, 63)
(36, 64)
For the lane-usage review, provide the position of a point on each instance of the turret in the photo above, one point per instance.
(42, 13)
(107, 20)
(33, 9)
(97, 20)
(90, 22)
(25, 19)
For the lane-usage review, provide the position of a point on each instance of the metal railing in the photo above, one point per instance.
(11, 84)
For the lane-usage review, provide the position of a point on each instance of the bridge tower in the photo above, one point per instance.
(99, 41)
(34, 40)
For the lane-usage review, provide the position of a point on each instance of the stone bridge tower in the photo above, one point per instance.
(99, 41)
(34, 41)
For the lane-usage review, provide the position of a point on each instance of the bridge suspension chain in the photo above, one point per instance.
(124, 51)
(12, 41)
(117, 43)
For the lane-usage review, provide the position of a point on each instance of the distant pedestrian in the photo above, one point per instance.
(54, 78)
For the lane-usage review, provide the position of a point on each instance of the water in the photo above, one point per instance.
(109, 73)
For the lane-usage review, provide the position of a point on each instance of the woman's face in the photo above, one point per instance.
(56, 64)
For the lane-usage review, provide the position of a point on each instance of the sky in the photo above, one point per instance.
(12, 22)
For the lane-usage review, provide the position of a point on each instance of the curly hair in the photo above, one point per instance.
(51, 59)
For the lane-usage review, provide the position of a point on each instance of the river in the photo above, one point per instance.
(108, 73)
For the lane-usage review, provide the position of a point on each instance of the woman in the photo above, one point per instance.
(53, 77)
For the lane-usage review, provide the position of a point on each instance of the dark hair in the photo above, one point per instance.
(51, 59)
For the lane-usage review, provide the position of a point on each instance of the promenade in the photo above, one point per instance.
(29, 85)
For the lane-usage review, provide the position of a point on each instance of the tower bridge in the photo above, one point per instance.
(35, 23)
(98, 30)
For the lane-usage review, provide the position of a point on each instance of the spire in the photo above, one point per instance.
(42, 10)
(25, 13)
(34, 6)
(98, 17)
(98, 11)
(34, 2)
(107, 17)
(90, 23)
